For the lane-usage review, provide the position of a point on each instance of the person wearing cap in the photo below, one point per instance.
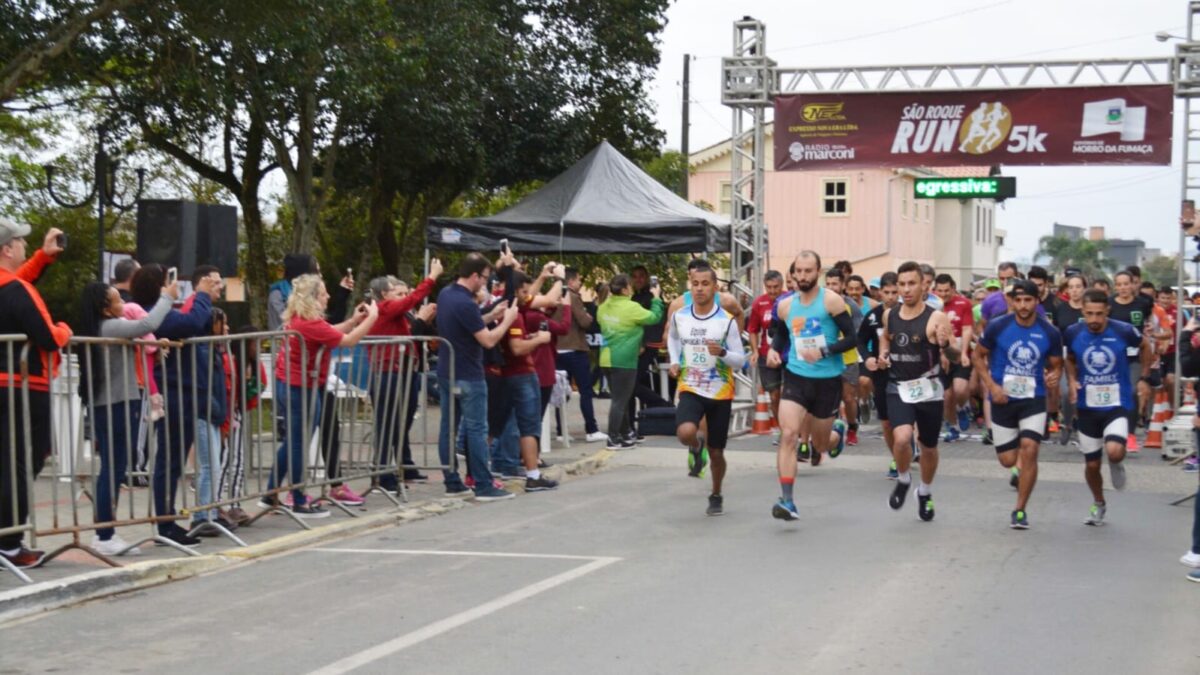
(23, 311)
(1019, 358)
(874, 289)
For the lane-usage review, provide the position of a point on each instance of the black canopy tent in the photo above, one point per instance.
(602, 204)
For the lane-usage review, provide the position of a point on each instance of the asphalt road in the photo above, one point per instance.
(623, 572)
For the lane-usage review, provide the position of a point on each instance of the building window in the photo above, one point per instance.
(988, 215)
(927, 212)
(833, 201)
(726, 206)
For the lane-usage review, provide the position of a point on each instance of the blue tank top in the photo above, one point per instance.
(811, 326)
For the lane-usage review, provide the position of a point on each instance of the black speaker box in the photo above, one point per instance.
(183, 234)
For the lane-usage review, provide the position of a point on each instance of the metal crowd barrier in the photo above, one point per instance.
(115, 432)
(16, 453)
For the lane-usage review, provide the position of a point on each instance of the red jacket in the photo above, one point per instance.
(393, 321)
(23, 311)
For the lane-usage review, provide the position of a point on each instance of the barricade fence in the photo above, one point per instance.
(209, 425)
(16, 450)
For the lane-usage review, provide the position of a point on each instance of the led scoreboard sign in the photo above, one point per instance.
(994, 187)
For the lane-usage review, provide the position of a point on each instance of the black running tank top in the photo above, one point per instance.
(913, 354)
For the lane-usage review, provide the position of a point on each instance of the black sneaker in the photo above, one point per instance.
(1015, 481)
(309, 510)
(458, 491)
(415, 477)
(1020, 521)
(178, 535)
(925, 507)
(211, 531)
(716, 505)
(899, 494)
(619, 444)
(540, 484)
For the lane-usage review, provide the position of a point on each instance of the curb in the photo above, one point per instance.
(46, 596)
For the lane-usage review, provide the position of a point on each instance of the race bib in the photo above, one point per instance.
(698, 358)
(1131, 352)
(920, 390)
(1102, 395)
(808, 342)
(1020, 386)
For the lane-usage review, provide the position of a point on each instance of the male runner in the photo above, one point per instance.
(758, 326)
(1020, 359)
(1049, 303)
(868, 344)
(1101, 387)
(705, 348)
(913, 340)
(927, 276)
(810, 321)
(1135, 309)
(835, 282)
(957, 375)
(1067, 314)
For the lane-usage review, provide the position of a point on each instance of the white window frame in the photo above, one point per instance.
(827, 199)
(725, 198)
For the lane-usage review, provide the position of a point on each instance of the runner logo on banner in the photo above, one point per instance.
(1061, 126)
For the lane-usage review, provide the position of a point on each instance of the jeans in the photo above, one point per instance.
(472, 405)
(621, 382)
(175, 433)
(289, 460)
(506, 449)
(119, 422)
(579, 369)
(208, 467)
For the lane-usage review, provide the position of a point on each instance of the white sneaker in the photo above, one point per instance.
(1117, 473)
(596, 437)
(1191, 559)
(113, 547)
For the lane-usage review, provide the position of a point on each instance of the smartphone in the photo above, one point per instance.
(1187, 214)
(61, 240)
(653, 282)
(172, 275)
(504, 247)
(350, 272)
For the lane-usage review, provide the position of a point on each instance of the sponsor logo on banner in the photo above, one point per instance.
(1077, 125)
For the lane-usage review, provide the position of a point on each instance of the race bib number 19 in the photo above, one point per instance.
(1102, 395)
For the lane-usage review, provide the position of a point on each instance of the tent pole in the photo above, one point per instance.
(561, 233)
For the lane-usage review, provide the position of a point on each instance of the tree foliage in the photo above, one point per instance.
(1086, 254)
(1163, 271)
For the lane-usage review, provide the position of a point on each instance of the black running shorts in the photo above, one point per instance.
(693, 407)
(820, 396)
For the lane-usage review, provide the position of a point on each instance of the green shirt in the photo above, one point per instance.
(621, 321)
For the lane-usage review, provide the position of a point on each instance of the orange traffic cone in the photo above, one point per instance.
(762, 414)
(1159, 416)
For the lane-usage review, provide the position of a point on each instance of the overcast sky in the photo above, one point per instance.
(1136, 202)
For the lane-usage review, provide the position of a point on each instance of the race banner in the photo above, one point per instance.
(1058, 126)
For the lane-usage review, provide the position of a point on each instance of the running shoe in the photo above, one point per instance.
(899, 494)
(716, 505)
(1064, 435)
(1194, 575)
(916, 450)
(964, 418)
(309, 510)
(540, 484)
(951, 433)
(785, 509)
(1053, 427)
(1096, 515)
(24, 558)
(892, 473)
(1190, 559)
(346, 496)
(619, 444)
(851, 439)
(803, 453)
(1117, 472)
(987, 437)
(925, 507)
(1190, 465)
(1020, 521)
(697, 460)
(816, 457)
(1015, 480)
(844, 437)
(1131, 444)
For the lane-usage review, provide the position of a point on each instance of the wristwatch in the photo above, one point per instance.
(723, 352)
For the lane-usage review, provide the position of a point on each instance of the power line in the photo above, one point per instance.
(925, 22)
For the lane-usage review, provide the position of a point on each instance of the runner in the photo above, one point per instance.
(956, 376)
(1020, 359)
(1049, 304)
(913, 339)
(927, 277)
(868, 344)
(810, 322)
(1066, 314)
(856, 290)
(758, 325)
(705, 347)
(1101, 387)
(835, 282)
(1135, 309)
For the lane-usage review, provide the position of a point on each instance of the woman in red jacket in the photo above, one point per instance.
(389, 365)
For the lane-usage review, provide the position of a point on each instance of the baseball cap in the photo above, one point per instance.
(10, 230)
(992, 284)
(874, 282)
(1019, 287)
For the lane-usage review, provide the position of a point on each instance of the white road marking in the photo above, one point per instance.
(480, 554)
(436, 628)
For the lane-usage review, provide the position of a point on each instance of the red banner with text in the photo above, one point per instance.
(1058, 126)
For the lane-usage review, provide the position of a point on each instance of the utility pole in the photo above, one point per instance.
(683, 143)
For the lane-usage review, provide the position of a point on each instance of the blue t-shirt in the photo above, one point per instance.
(1101, 362)
(1020, 352)
(459, 319)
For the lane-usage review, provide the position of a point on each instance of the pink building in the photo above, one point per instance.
(866, 216)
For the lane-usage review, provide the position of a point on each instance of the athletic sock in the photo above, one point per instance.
(854, 427)
(905, 478)
(786, 485)
(533, 474)
(923, 489)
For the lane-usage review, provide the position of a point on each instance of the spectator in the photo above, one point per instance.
(460, 372)
(109, 386)
(244, 379)
(653, 338)
(183, 395)
(596, 339)
(389, 363)
(22, 311)
(573, 351)
(122, 277)
(301, 368)
(145, 287)
(621, 321)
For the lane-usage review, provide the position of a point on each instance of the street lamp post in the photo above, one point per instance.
(104, 181)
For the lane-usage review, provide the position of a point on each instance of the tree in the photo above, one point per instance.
(1085, 254)
(1163, 271)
